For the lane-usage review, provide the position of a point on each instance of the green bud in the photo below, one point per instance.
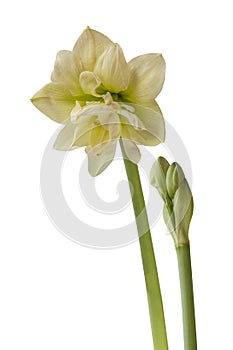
(158, 176)
(174, 179)
(183, 211)
(168, 217)
(178, 201)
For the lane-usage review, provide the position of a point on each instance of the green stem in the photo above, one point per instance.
(186, 286)
(148, 257)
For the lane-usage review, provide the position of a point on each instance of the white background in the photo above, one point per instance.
(56, 294)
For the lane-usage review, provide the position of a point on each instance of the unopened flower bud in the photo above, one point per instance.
(173, 187)
(183, 211)
(158, 176)
(174, 179)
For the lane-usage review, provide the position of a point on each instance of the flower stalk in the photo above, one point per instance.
(148, 258)
(186, 286)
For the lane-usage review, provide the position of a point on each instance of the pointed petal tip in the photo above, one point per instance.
(131, 150)
(163, 161)
(112, 69)
(146, 78)
(89, 46)
(99, 161)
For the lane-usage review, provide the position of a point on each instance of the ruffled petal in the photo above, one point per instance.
(112, 69)
(100, 157)
(132, 118)
(114, 131)
(99, 136)
(146, 78)
(75, 111)
(89, 83)
(109, 118)
(92, 109)
(153, 130)
(106, 117)
(141, 137)
(66, 71)
(77, 134)
(131, 150)
(54, 101)
(89, 47)
(66, 137)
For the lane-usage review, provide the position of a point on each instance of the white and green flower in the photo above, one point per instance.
(101, 98)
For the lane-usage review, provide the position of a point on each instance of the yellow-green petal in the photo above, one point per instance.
(54, 101)
(89, 47)
(89, 83)
(131, 150)
(153, 131)
(100, 156)
(66, 137)
(66, 72)
(152, 104)
(147, 74)
(112, 69)
(142, 137)
(76, 134)
(99, 136)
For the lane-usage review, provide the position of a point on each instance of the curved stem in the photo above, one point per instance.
(186, 286)
(148, 258)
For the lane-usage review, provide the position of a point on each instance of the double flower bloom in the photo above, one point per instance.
(101, 98)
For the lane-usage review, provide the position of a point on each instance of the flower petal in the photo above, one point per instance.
(109, 118)
(76, 134)
(131, 150)
(100, 157)
(153, 131)
(75, 111)
(66, 71)
(89, 46)
(152, 105)
(106, 117)
(92, 109)
(141, 137)
(147, 77)
(99, 136)
(54, 101)
(89, 83)
(66, 137)
(112, 69)
(114, 131)
(132, 118)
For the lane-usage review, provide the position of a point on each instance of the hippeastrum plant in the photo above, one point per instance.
(102, 99)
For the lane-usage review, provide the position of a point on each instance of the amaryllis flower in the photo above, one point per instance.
(101, 98)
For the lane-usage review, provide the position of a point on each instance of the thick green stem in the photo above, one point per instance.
(148, 257)
(186, 285)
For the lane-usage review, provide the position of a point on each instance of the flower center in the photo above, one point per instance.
(106, 111)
